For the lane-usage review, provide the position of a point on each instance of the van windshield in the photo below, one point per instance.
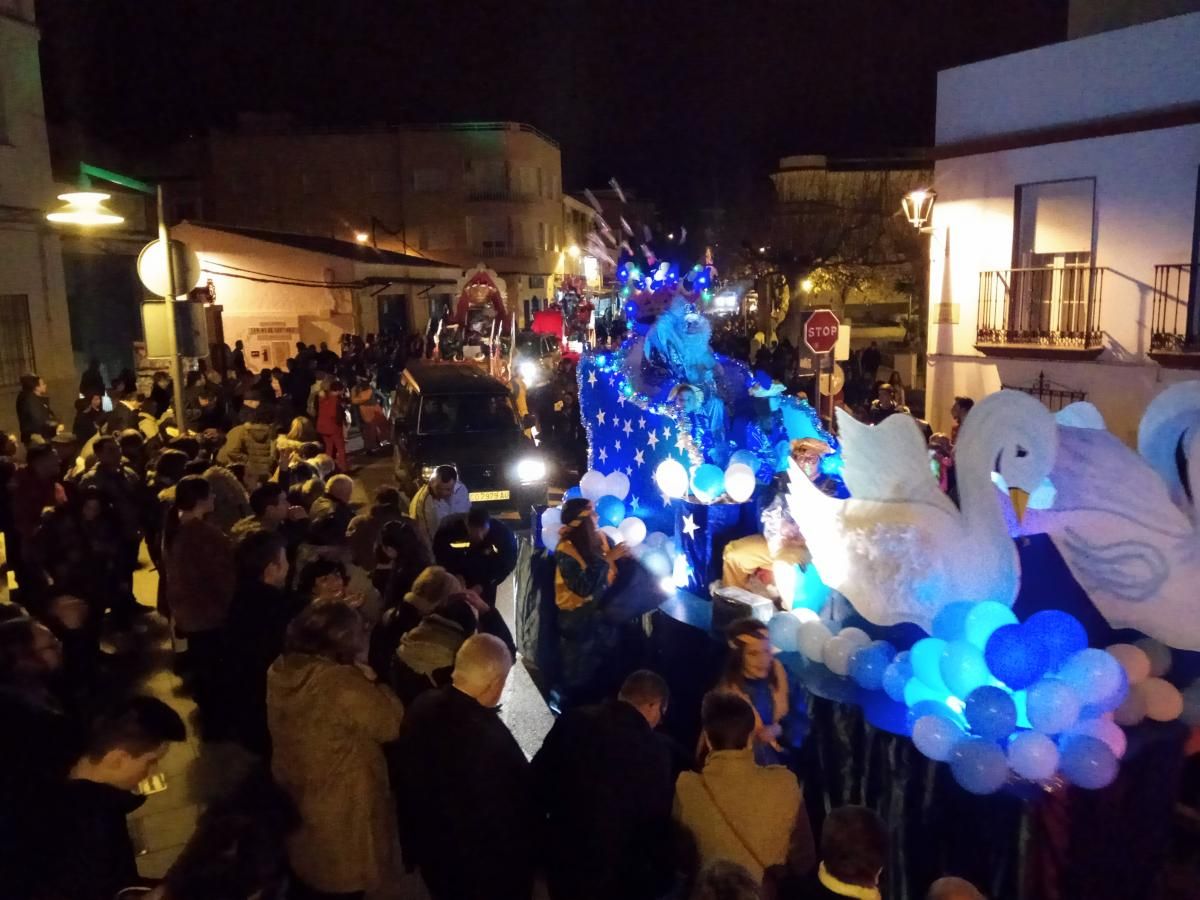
(457, 413)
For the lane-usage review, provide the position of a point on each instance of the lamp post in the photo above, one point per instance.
(917, 207)
(86, 208)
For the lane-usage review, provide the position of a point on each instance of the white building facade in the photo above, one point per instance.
(35, 333)
(1064, 236)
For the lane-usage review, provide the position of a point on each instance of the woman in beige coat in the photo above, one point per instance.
(328, 719)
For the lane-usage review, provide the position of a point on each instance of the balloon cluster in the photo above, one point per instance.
(707, 482)
(608, 494)
(995, 697)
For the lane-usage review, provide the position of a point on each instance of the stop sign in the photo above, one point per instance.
(821, 331)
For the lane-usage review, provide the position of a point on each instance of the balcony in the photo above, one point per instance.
(1048, 312)
(501, 196)
(497, 250)
(1169, 344)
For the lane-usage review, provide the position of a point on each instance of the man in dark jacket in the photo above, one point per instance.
(125, 409)
(482, 551)
(364, 529)
(80, 847)
(604, 779)
(34, 415)
(465, 803)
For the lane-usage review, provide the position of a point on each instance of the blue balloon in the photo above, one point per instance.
(925, 708)
(1087, 761)
(900, 672)
(991, 712)
(708, 482)
(746, 457)
(936, 736)
(951, 621)
(868, 664)
(917, 692)
(927, 663)
(1033, 755)
(572, 493)
(1057, 634)
(963, 668)
(1014, 658)
(1052, 706)
(984, 619)
(1094, 674)
(1109, 703)
(610, 510)
(979, 766)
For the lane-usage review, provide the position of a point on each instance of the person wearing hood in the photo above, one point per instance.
(364, 529)
(425, 657)
(252, 443)
(328, 720)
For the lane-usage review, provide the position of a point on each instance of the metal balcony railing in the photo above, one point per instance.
(501, 196)
(1053, 307)
(508, 251)
(1168, 317)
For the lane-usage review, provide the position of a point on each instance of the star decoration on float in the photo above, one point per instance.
(617, 445)
(681, 442)
(639, 457)
(629, 473)
(689, 526)
(666, 500)
(603, 455)
(620, 400)
(628, 429)
(642, 423)
(592, 378)
(652, 440)
(600, 416)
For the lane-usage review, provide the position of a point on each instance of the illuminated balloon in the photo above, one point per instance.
(592, 485)
(612, 533)
(991, 712)
(550, 537)
(1013, 658)
(813, 637)
(657, 563)
(936, 736)
(745, 458)
(671, 478)
(951, 621)
(856, 636)
(984, 619)
(616, 484)
(836, 654)
(895, 677)
(784, 630)
(978, 765)
(804, 615)
(867, 664)
(1053, 706)
(1133, 660)
(1164, 703)
(552, 517)
(611, 511)
(739, 482)
(656, 539)
(633, 530)
(1106, 730)
(1093, 674)
(572, 493)
(1032, 755)
(708, 482)
(1087, 761)
(1160, 656)
(927, 663)
(1058, 635)
(963, 668)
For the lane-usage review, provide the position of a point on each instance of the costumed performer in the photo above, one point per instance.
(705, 420)
(764, 434)
(781, 541)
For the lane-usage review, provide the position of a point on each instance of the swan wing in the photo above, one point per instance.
(889, 461)
(1167, 428)
(1080, 415)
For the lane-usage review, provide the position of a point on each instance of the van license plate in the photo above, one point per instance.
(488, 495)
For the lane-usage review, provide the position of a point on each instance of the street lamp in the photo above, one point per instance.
(573, 251)
(86, 208)
(918, 206)
(361, 236)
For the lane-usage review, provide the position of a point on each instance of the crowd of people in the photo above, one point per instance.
(358, 653)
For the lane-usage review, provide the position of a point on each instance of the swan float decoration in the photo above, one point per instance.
(1126, 524)
(899, 549)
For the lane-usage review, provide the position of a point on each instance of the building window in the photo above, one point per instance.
(429, 181)
(541, 236)
(1055, 231)
(537, 281)
(16, 339)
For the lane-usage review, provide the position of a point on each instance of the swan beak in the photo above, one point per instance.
(1020, 500)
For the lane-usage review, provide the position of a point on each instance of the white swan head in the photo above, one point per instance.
(1013, 435)
(1169, 439)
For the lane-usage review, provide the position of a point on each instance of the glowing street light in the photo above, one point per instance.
(573, 251)
(361, 236)
(85, 208)
(918, 206)
(806, 285)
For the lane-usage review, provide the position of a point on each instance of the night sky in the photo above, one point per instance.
(687, 102)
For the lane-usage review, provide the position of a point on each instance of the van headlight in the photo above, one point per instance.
(531, 469)
(528, 370)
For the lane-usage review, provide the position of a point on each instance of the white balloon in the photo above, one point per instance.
(592, 485)
(804, 615)
(550, 538)
(614, 534)
(739, 482)
(633, 530)
(658, 563)
(671, 478)
(836, 654)
(813, 637)
(616, 484)
(656, 539)
(552, 517)
(1133, 660)
(856, 636)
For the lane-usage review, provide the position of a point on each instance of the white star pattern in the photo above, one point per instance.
(628, 429)
(636, 503)
(592, 378)
(629, 471)
(600, 416)
(617, 445)
(652, 440)
(603, 455)
(642, 423)
(689, 526)
(666, 431)
(681, 443)
(639, 457)
(620, 399)
(666, 500)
